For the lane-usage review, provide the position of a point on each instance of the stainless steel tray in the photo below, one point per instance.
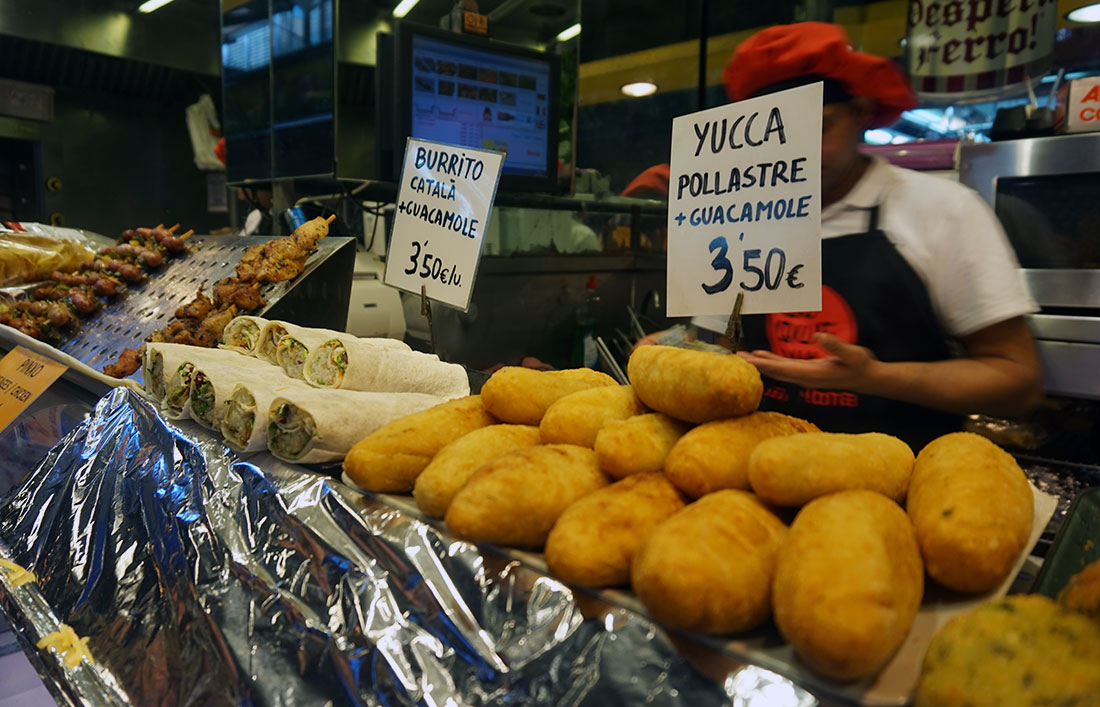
(126, 321)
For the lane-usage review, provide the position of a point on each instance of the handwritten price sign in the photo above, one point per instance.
(23, 376)
(744, 211)
(443, 204)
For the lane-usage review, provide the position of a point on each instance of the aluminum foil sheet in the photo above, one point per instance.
(205, 579)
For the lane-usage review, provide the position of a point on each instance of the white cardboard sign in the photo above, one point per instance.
(744, 206)
(443, 203)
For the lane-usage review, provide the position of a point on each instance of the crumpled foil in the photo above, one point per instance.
(204, 579)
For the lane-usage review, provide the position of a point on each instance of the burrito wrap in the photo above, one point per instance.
(270, 335)
(322, 425)
(175, 402)
(370, 367)
(242, 334)
(160, 361)
(299, 342)
(222, 377)
(244, 424)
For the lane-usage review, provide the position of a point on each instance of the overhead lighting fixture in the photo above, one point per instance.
(639, 89)
(569, 32)
(404, 7)
(1085, 13)
(150, 5)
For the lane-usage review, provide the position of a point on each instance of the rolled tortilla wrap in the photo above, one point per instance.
(270, 336)
(244, 424)
(213, 381)
(242, 334)
(177, 395)
(297, 342)
(349, 363)
(310, 426)
(169, 369)
(159, 363)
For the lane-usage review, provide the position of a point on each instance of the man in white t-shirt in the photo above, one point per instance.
(922, 305)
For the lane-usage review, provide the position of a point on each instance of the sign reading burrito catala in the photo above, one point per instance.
(443, 202)
(964, 46)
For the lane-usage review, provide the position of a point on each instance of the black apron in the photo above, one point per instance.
(871, 297)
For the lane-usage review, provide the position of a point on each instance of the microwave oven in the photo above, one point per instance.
(1046, 193)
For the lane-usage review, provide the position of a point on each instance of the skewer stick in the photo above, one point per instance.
(173, 228)
(159, 225)
(188, 233)
(734, 329)
(330, 219)
(426, 312)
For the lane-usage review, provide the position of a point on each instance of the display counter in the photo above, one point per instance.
(162, 543)
(201, 574)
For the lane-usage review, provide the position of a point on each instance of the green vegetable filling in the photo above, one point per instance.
(202, 400)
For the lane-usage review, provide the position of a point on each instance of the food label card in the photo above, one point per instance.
(744, 206)
(24, 375)
(443, 203)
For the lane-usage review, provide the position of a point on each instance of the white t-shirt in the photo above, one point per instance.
(947, 234)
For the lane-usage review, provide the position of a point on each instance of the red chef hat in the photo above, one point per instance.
(780, 54)
(650, 184)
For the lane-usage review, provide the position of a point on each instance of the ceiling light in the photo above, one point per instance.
(403, 7)
(1085, 13)
(639, 89)
(150, 5)
(569, 32)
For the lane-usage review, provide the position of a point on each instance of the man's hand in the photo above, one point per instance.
(1000, 374)
(849, 367)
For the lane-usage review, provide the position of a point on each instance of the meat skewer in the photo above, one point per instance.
(198, 308)
(141, 255)
(127, 271)
(102, 283)
(128, 362)
(244, 295)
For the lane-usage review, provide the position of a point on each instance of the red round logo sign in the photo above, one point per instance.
(791, 334)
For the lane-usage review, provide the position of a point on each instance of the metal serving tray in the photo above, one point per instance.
(318, 297)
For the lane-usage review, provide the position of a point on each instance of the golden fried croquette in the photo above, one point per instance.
(1020, 650)
(437, 485)
(848, 583)
(637, 444)
(576, 418)
(595, 539)
(715, 455)
(389, 459)
(792, 471)
(515, 499)
(1082, 593)
(972, 509)
(695, 386)
(709, 567)
(522, 395)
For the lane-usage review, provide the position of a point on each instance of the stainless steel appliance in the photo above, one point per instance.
(1046, 192)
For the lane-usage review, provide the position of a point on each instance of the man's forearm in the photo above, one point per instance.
(988, 385)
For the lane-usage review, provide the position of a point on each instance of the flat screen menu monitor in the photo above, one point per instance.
(475, 92)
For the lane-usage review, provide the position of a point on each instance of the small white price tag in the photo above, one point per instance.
(443, 202)
(744, 206)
